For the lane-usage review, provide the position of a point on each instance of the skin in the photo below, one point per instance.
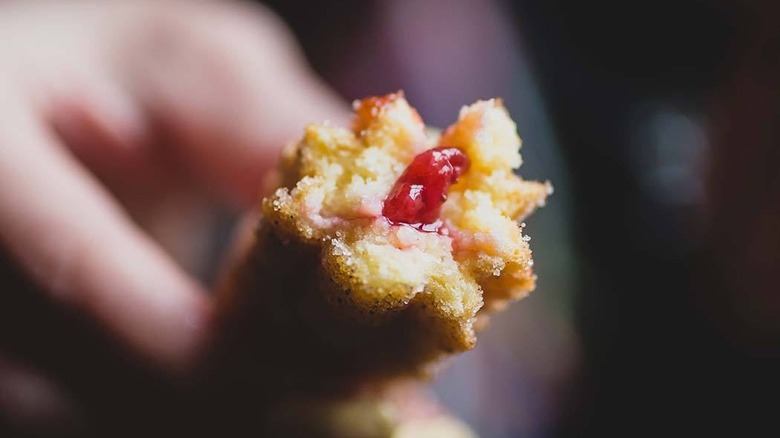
(110, 114)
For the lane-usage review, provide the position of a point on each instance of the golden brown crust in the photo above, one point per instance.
(337, 294)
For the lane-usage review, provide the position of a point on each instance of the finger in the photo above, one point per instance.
(77, 244)
(232, 88)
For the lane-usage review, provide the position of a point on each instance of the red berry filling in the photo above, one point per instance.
(417, 196)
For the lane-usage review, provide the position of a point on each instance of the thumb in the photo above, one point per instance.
(229, 86)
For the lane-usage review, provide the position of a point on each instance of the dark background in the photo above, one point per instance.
(677, 290)
(658, 308)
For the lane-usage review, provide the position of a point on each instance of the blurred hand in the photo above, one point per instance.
(115, 118)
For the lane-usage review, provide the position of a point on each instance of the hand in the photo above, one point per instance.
(118, 122)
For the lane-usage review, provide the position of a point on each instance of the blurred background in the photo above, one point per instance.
(658, 123)
(658, 305)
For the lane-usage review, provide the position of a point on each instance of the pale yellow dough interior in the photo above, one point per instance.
(334, 182)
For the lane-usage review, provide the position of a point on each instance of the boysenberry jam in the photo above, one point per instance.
(417, 196)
